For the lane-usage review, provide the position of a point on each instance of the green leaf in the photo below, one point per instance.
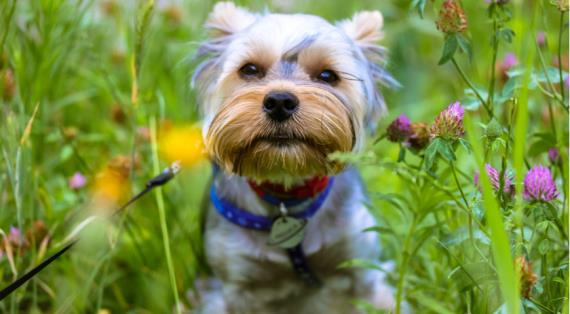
(542, 142)
(507, 34)
(420, 6)
(431, 153)
(446, 150)
(402, 154)
(465, 46)
(449, 49)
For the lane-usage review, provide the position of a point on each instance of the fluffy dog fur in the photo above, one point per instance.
(290, 51)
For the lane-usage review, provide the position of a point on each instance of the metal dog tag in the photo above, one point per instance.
(287, 232)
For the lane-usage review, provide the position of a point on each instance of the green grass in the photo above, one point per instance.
(81, 79)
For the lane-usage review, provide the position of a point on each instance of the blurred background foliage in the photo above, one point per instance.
(82, 83)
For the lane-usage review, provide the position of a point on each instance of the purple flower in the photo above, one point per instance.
(400, 129)
(553, 155)
(541, 38)
(494, 174)
(15, 237)
(539, 185)
(508, 186)
(77, 181)
(449, 123)
(510, 60)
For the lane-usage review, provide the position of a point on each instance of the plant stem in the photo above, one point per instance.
(552, 93)
(560, 32)
(404, 265)
(493, 74)
(162, 217)
(468, 81)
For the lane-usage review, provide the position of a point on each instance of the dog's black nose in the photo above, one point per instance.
(279, 106)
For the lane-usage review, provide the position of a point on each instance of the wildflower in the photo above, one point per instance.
(182, 144)
(173, 14)
(493, 174)
(111, 184)
(503, 67)
(539, 185)
(449, 123)
(527, 277)
(562, 5)
(553, 155)
(399, 130)
(16, 238)
(110, 7)
(77, 181)
(143, 133)
(508, 185)
(451, 18)
(419, 139)
(541, 38)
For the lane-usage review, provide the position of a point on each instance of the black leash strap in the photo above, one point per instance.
(159, 180)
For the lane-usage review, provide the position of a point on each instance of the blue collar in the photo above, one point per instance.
(248, 220)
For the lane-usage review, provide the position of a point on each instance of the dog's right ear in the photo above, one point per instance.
(227, 19)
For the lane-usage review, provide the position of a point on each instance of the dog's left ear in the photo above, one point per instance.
(365, 29)
(226, 19)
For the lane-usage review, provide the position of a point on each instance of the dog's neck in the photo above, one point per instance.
(276, 193)
(264, 198)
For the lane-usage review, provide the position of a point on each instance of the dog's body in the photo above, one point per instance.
(279, 93)
(258, 278)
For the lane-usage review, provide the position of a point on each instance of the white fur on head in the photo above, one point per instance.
(227, 19)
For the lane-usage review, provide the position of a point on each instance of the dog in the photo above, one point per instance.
(278, 94)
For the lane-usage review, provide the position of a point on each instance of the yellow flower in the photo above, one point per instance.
(111, 185)
(182, 144)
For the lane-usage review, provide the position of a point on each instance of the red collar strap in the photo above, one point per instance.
(277, 193)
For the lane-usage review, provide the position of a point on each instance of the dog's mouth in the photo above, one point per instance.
(283, 140)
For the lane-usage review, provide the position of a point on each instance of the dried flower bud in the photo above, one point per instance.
(451, 18)
(420, 137)
(8, 85)
(173, 13)
(118, 114)
(553, 155)
(527, 277)
(541, 38)
(562, 5)
(399, 130)
(502, 67)
(449, 123)
(539, 185)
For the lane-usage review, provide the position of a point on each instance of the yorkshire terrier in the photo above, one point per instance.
(279, 93)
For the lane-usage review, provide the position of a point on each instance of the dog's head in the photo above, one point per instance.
(281, 92)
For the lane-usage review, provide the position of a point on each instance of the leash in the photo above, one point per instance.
(286, 230)
(161, 179)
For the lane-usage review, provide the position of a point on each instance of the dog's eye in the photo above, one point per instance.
(327, 76)
(250, 70)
